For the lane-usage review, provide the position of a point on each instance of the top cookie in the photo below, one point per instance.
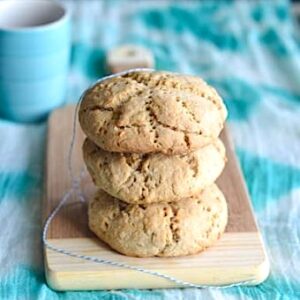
(144, 112)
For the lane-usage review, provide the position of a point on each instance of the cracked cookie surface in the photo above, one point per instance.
(144, 112)
(156, 177)
(159, 229)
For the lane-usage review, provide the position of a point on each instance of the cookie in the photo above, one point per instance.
(159, 229)
(154, 177)
(147, 112)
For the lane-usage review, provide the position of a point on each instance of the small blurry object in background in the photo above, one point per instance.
(34, 58)
(128, 57)
(296, 9)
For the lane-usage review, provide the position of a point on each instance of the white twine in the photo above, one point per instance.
(75, 189)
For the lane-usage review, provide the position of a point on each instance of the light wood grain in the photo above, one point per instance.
(239, 255)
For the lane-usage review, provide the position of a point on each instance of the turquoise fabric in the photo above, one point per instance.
(250, 52)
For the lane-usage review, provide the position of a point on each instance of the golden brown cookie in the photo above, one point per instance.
(155, 177)
(144, 112)
(159, 229)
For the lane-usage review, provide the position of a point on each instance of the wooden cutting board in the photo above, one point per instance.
(238, 256)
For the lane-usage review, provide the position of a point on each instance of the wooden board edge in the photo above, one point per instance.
(45, 195)
(238, 168)
(81, 279)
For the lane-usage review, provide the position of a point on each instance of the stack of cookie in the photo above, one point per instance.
(153, 151)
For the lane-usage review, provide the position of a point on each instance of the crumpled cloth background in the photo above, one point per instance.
(250, 52)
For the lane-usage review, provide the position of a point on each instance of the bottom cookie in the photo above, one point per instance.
(161, 229)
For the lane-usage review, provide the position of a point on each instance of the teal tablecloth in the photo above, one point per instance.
(250, 52)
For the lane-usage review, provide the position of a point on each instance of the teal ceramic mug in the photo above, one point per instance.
(34, 58)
